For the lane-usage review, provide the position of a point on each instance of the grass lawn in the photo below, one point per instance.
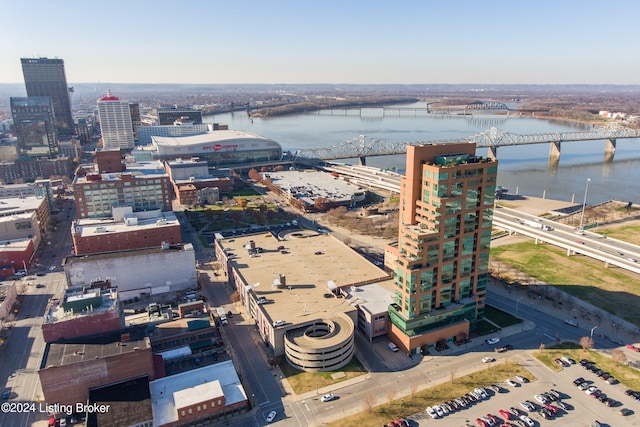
(613, 290)
(417, 402)
(485, 328)
(302, 382)
(499, 317)
(627, 233)
(628, 376)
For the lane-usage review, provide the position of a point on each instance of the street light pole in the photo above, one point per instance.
(592, 329)
(584, 203)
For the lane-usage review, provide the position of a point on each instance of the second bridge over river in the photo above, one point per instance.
(362, 147)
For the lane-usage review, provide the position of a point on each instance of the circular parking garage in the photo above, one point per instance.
(324, 345)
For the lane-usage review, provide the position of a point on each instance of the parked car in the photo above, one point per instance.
(633, 348)
(271, 416)
(527, 420)
(432, 412)
(624, 411)
(562, 405)
(522, 379)
(488, 359)
(511, 382)
(494, 340)
(540, 398)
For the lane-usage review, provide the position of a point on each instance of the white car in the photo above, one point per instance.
(327, 397)
(439, 410)
(527, 420)
(432, 413)
(52, 268)
(278, 323)
(511, 382)
(571, 322)
(488, 359)
(494, 340)
(21, 273)
(271, 416)
(540, 398)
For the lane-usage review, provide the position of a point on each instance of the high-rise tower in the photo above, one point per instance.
(115, 122)
(46, 77)
(34, 126)
(442, 256)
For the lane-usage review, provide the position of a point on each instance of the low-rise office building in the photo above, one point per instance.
(293, 283)
(198, 397)
(139, 272)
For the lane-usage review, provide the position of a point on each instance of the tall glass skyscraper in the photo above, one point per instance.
(442, 255)
(46, 77)
(34, 126)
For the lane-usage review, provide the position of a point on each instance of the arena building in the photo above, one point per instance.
(221, 148)
(295, 284)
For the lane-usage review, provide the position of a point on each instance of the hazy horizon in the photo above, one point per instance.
(329, 42)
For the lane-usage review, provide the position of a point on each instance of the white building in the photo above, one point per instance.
(115, 122)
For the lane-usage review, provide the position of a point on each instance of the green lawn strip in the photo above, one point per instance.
(627, 233)
(412, 404)
(499, 317)
(586, 279)
(303, 382)
(485, 328)
(628, 376)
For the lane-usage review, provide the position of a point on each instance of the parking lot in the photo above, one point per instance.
(582, 409)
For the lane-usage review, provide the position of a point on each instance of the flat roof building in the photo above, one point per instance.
(201, 395)
(292, 284)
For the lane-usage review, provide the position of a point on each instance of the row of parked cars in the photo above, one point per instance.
(477, 395)
(595, 392)
(591, 366)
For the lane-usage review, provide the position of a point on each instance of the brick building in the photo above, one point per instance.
(198, 397)
(81, 312)
(126, 231)
(70, 368)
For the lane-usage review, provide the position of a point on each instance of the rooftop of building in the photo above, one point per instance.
(312, 263)
(310, 185)
(129, 403)
(187, 388)
(18, 205)
(55, 312)
(142, 169)
(180, 326)
(374, 298)
(87, 227)
(73, 259)
(86, 348)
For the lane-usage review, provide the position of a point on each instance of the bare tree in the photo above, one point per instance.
(452, 372)
(369, 401)
(541, 348)
(586, 342)
(619, 356)
(414, 388)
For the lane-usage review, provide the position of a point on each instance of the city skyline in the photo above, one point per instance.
(284, 41)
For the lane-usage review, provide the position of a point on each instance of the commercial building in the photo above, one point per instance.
(195, 334)
(294, 283)
(180, 128)
(220, 148)
(198, 397)
(193, 184)
(136, 273)
(34, 126)
(82, 311)
(46, 77)
(126, 230)
(116, 124)
(442, 255)
(143, 186)
(71, 367)
(30, 169)
(167, 116)
(8, 297)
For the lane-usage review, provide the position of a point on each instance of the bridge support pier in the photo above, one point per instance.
(609, 150)
(362, 161)
(492, 152)
(554, 151)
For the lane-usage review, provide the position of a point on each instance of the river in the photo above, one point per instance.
(523, 169)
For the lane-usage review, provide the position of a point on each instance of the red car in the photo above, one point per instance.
(481, 423)
(552, 408)
(633, 348)
(504, 414)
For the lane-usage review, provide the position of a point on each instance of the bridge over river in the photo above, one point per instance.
(362, 147)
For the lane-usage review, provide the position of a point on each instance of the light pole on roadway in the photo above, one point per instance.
(584, 203)
(593, 329)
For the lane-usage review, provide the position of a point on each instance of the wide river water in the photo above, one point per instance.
(524, 169)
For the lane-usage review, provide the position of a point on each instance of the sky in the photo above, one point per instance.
(327, 41)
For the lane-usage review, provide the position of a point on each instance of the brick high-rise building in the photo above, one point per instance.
(46, 77)
(446, 212)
